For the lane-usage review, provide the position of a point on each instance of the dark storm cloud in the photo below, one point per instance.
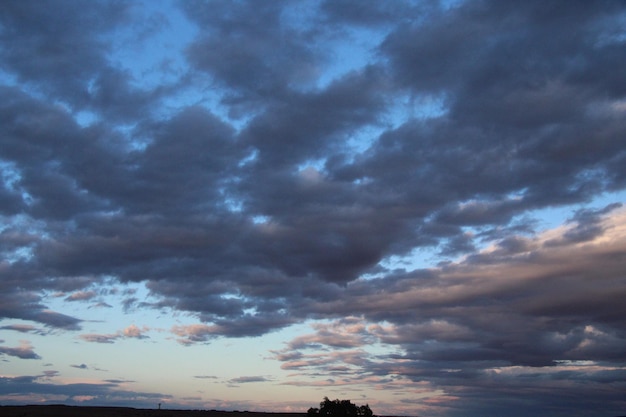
(273, 206)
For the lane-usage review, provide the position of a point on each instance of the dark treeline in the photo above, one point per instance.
(340, 408)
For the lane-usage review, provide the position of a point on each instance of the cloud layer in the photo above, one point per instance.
(280, 161)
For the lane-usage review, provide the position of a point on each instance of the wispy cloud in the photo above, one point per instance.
(22, 328)
(130, 332)
(247, 379)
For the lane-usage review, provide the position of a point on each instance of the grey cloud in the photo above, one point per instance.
(103, 393)
(252, 325)
(65, 41)
(23, 351)
(348, 333)
(248, 379)
(476, 321)
(460, 244)
(26, 305)
(588, 225)
(370, 14)
(64, 51)
(117, 381)
(558, 396)
(41, 135)
(239, 326)
(458, 37)
(230, 47)
(333, 222)
(314, 121)
(516, 244)
(99, 338)
(54, 319)
(22, 328)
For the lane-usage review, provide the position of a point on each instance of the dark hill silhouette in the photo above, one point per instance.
(80, 411)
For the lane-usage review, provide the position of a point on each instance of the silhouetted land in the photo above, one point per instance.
(73, 411)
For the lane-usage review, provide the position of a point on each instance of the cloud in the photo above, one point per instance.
(23, 351)
(81, 296)
(588, 225)
(193, 333)
(247, 379)
(478, 325)
(347, 333)
(102, 305)
(241, 47)
(54, 319)
(51, 373)
(134, 332)
(81, 366)
(24, 304)
(367, 203)
(72, 59)
(99, 338)
(12, 388)
(130, 332)
(117, 381)
(22, 328)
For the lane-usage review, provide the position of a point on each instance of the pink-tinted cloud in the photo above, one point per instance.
(81, 296)
(23, 351)
(135, 332)
(130, 332)
(194, 333)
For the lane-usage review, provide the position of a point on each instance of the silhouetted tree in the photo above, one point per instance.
(340, 408)
(365, 411)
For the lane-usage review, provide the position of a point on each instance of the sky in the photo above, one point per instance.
(251, 205)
